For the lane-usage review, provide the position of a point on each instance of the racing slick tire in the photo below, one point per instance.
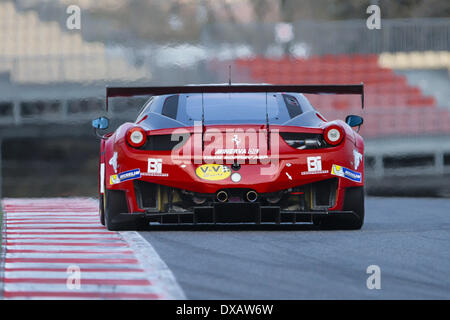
(115, 204)
(353, 201)
(101, 209)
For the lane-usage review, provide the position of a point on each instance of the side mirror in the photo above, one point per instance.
(354, 121)
(100, 123)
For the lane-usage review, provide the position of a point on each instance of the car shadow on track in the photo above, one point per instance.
(232, 227)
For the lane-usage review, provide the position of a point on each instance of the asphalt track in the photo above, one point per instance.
(408, 238)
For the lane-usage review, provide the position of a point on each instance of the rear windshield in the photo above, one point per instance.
(238, 108)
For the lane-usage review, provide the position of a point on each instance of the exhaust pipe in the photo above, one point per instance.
(251, 196)
(222, 196)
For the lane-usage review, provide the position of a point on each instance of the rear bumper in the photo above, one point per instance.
(232, 213)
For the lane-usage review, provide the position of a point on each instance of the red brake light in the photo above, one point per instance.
(136, 137)
(333, 135)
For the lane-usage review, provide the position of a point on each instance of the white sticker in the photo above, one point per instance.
(357, 158)
(154, 165)
(314, 163)
(113, 162)
(236, 140)
(102, 178)
(314, 166)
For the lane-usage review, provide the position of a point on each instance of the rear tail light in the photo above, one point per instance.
(136, 137)
(333, 135)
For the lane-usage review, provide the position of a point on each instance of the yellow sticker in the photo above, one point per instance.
(336, 170)
(114, 179)
(213, 172)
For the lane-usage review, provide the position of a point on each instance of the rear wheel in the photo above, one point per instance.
(353, 201)
(115, 204)
(101, 209)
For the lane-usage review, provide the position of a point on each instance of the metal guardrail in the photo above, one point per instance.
(408, 156)
(73, 111)
(338, 37)
(395, 35)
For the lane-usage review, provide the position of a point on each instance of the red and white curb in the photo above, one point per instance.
(44, 240)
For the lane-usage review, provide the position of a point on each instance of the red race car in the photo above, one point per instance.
(232, 154)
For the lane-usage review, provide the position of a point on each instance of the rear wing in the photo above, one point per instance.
(313, 89)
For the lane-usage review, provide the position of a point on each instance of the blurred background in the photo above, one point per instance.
(53, 78)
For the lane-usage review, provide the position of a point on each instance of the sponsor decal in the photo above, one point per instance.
(129, 175)
(314, 163)
(235, 157)
(314, 166)
(113, 162)
(154, 168)
(213, 172)
(289, 176)
(148, 174)
(252, 151)
(304, 173)
(124, 176)
(114, 179)
(154, 165)
(357, 158)
(221, 154)
(346, 173)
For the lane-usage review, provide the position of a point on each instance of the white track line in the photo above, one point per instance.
(153, 264)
